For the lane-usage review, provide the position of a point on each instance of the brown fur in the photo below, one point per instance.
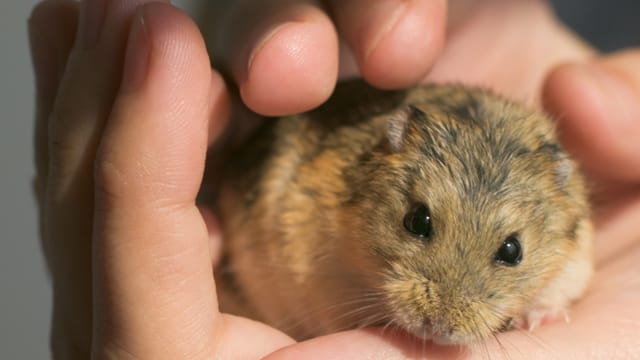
(312, 211)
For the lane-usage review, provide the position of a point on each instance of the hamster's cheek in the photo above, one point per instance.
(568, 284)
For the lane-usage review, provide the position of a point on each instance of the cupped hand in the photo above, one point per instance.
(125, 115)
(120, 157)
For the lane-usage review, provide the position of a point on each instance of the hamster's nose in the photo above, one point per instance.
(442, 335)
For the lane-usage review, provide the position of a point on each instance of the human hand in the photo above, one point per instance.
(362, 343)
(120, 154)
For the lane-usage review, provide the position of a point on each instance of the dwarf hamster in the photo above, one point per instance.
(447, 211)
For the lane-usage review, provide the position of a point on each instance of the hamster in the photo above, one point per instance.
(446, 211)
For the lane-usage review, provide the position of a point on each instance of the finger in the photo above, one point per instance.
(598, 104)
(151, 257)
(374, 344)
(82, 103)
(394, 42)
(154, 290)
(88, 88)
(52, 27)
(283, 55)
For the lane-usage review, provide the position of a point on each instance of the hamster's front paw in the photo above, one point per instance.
(541, 316)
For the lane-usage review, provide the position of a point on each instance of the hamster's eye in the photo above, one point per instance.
(418, 220)
(510, 252)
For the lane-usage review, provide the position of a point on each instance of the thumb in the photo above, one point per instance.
(598, 105)
(154, 293)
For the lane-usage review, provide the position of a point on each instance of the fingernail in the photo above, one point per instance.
(391, 13)
(262, 42)
(137, 56)
(91, 21)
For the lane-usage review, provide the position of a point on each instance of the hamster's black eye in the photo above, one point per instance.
(510, 252)
(418, 220)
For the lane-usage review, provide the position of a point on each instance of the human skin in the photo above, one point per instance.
(120, 156)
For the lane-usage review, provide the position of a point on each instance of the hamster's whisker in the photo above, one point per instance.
(356, 306)
(391, 325)
(530, 336)
(480, 326)
(284, 323)
(362, 310)
(503, 349)
(353, 302)
(368, 299)
(274, 269)
(482, 343)
(373, 320)
(485, 349)
(536, 340)
(308, 314)
(301, 313)
(262, 268)
(387, 325)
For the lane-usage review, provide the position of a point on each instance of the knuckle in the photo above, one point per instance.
(111, 181)
(121, 178)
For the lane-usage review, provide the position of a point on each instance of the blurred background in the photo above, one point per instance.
(25, 294)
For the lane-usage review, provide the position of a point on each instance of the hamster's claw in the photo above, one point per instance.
(539, 317)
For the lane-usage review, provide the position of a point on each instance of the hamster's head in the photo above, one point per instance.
(467, 210)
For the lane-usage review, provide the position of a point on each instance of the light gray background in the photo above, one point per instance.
(25, 296)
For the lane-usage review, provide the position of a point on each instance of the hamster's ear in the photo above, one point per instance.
(397, 125)
(564, 165)
(564, 169)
